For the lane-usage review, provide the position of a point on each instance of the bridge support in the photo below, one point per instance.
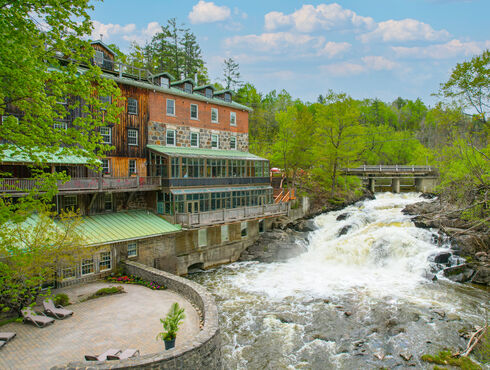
(425, 185)
(372, 184)
(395, 185)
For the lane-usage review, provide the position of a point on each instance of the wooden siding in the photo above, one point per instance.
(131, 121)
(119, 166)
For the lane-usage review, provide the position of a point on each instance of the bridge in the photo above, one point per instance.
(425, 177)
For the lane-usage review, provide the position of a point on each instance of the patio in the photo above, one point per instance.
(122, 321)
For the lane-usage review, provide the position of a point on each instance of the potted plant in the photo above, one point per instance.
(171, 324)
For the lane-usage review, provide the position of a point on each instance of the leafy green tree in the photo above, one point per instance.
(470, 84)
(338, 139)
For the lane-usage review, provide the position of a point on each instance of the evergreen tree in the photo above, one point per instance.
(231, 74)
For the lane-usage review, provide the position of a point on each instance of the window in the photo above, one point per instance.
(108, 201)
(224, 234)
(209, 93)
(194, 111)
(132, 137)
(88, 266)
(106, 168)
(228, 97)
(132, 249)
(171, 137)
(214, 115)
(233, 118)
(233, 142)
(70, 202)
(106, 133)
(202, 238)
(195, 139)
(105, 261)
(68, 273)
(164, 82)
(99, 57)
(132, 166)
(214, 141)
(105, 100)
(244, 227)
(188, 88)
(261, 226)
(132, 106)
(170, 107)
(60, 125)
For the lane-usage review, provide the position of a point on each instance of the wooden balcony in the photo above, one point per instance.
(17, 187)
(194, 220)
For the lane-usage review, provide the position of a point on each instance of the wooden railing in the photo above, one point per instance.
(284, 195)
(90, 184)
(228, 215)
(389, 168)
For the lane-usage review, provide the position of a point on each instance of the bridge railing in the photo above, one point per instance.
(390, 168)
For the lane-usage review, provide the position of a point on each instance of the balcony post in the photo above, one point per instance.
(138, 181)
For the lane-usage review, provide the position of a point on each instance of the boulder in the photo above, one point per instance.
(442, 257)
(459, 274)
(342, 217)
(481, 256)
(344, 230)
(482, 276)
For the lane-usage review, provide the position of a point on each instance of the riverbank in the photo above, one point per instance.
(467, 240)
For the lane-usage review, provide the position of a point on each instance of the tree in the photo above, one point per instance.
(231, 74)
(338, 138)
(470, 83)
(31, 252)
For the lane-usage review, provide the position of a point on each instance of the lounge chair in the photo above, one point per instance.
(38, 319)
(125, 354)
(6, 336)
(103, 357)
(58, 312)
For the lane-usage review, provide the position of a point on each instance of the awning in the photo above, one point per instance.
(9, 156)
(176, 151)
(218, 190)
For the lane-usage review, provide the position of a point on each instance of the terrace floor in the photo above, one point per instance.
(129, 320)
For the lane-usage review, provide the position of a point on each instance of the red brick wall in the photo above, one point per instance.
(158, 108)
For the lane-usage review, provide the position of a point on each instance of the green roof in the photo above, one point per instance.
(122, 226)
(223, 91)
(164, 74)
(182, 81)
(179, 151)
(10, 156)
(198, 88)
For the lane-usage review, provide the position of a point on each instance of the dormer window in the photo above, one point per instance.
(209, 93)
(164, 82)
(188, 88)
(228, 97)
(99, 57)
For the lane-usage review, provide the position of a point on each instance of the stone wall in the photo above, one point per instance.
(204, 352)
(157, 132)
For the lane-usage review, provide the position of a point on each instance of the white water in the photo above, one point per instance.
(376, 270)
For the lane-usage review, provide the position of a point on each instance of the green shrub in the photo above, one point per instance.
(445, 358)
(61, 299)
(105, 292)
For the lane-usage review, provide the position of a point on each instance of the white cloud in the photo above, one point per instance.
(332, 49)
(275, 42)
(129, 32)
(208, 12)
(404, 30)
(369, 63)
(322, 17)
(379, 63)
(448, 50)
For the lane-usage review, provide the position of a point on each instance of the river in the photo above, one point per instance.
(357, 301)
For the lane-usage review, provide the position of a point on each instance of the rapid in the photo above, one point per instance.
(364, 299)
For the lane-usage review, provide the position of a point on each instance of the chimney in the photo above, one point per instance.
(195, 78)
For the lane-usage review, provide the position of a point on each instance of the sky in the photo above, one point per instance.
(366, 48)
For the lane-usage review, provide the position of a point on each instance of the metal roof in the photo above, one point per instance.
(198, 88)
(123, 226)
(11, 156)
(179, 82)
(178, 151)
(218, 190)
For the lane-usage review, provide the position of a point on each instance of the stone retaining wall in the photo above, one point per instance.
(204, 352)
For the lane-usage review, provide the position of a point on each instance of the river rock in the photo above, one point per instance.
(482, 276)
(442, 257)
(344, 230)
(481, 256)
(342, 217)
(305, 226)
(459, 274)
(406, 355)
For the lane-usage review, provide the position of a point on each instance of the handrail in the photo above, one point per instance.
(386, 168)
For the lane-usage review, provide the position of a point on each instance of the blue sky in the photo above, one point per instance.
(366, 48)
